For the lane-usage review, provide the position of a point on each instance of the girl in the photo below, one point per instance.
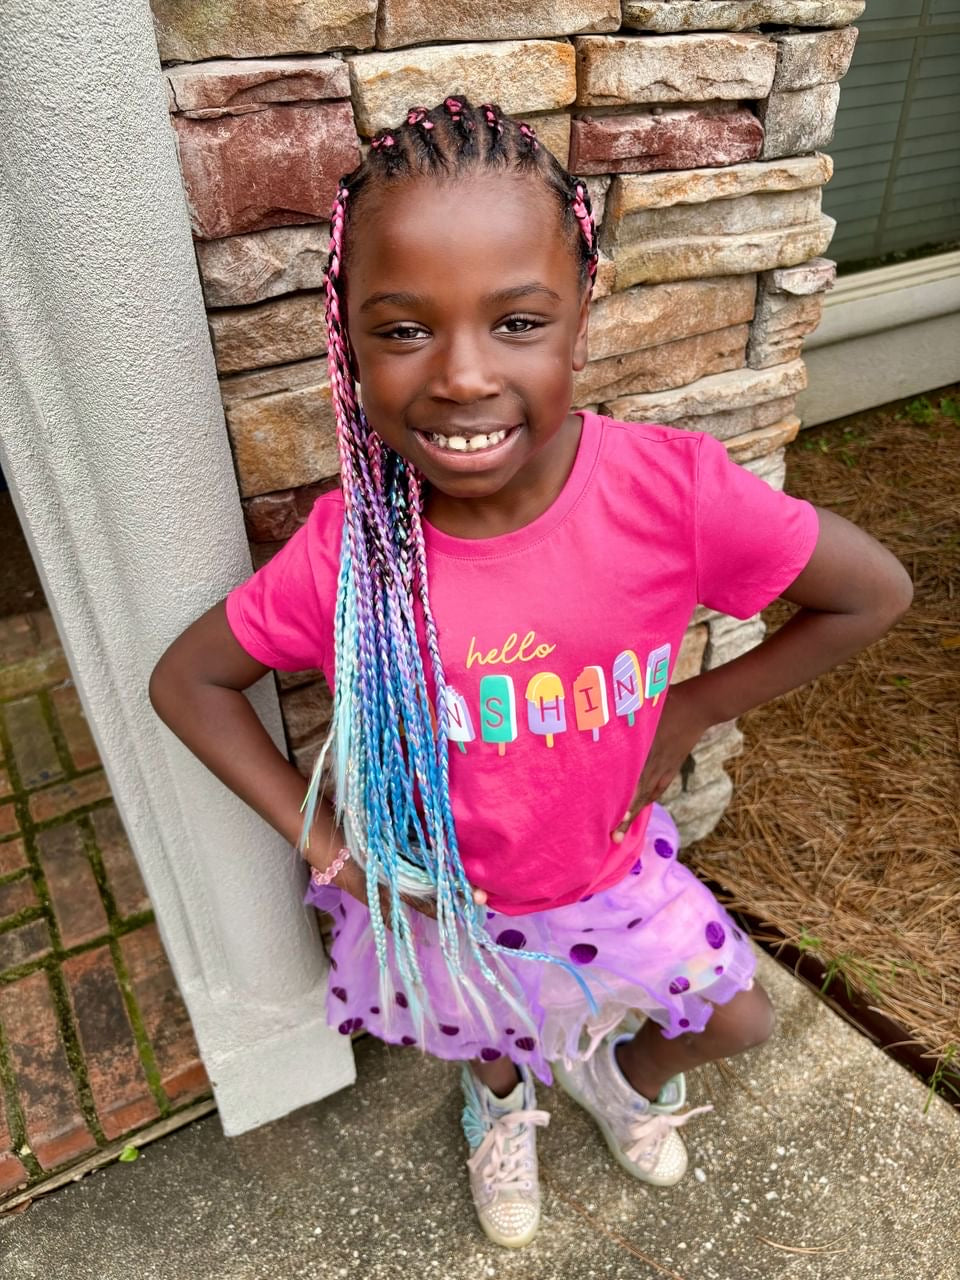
(497, 596)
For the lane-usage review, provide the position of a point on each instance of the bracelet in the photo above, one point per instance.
(322, 878)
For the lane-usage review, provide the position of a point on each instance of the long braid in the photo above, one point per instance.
(391, 761)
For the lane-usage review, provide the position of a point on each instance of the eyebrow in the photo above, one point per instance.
(512, 294)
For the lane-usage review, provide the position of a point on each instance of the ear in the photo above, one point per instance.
(583, 320)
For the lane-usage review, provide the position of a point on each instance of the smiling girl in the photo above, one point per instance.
(497, 596)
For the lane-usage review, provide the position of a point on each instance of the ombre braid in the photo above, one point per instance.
(391, 763)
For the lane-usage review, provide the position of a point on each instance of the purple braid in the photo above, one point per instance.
(391, 760)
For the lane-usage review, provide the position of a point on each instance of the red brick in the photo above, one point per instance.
(20, 946)
(56, 801)
(16, 896)
(675, 138)
(119, 1087)
(13, 1176)
(18, 638)
(73, 888)
(268, 169)
(9, 822)
(123, 874)
(5, 788)
(30, 674)
(56, 1129)
(164, 1015)
(32, 742)
(76, 731)
(46, 630)
(13, 857)
(12, 1172)
(271, 517)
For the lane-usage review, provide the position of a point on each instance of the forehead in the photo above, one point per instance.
(445, 230)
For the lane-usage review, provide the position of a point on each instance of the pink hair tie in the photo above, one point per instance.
(322, 878)
(386, 141)
(529, 134)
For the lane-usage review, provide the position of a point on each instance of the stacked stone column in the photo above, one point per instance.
(697, 125)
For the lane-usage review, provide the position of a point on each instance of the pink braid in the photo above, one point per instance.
(582, 215)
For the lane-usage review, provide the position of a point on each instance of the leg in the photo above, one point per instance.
(649, 1060)
(500, 1076)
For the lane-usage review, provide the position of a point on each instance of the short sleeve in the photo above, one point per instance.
(283, 614)
(752, 541)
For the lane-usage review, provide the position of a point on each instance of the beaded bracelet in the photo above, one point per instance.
(322, 878)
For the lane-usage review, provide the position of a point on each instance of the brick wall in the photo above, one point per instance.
(697, 124)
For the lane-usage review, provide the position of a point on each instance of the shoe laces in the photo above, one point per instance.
(647, 1132)
(504, 1158)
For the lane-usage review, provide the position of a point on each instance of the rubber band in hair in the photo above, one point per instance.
(529, 135)
(390, 756)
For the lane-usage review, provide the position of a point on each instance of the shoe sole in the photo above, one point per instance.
(513, 1242)
(610, 1138)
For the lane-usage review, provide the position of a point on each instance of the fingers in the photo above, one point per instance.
(645, 794)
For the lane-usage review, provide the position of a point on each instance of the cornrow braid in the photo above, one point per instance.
(389, 753)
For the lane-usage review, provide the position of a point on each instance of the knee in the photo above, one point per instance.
(744, 1023)
(758, 1017)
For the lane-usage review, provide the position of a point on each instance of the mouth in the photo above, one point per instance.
(457, 448)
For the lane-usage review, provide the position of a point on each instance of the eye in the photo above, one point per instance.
(403, 332)
(520, 324)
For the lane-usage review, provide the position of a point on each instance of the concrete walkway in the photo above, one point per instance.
(818, 1163)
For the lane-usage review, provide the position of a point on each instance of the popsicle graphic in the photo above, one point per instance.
(590, 700)
(458, 723)
(627, 685)
(658, 672)
(546, 715)
(498, 711)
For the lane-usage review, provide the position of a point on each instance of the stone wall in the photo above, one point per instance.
(697, 125)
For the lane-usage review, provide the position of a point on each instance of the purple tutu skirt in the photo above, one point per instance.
(657, 944)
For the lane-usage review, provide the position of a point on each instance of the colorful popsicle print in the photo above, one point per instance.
(498, 711)
(590, 700)
(658, 672)
(627, 685)
(546, 714)
(458, 722)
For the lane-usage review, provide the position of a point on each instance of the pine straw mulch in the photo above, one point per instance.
(843, 837)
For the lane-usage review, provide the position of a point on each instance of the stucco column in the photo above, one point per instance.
(114, 445)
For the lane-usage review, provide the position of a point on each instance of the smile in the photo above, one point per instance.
(462, 451)
(468, 444)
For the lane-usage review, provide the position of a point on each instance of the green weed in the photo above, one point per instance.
(950, 408)
(128, 1155)
(920, 411)
(853, 973)
(945, 1076)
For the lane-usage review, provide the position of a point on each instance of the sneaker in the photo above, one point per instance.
(642, 1135)
(503, 1158)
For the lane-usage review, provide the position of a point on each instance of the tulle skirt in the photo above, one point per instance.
(658, 944)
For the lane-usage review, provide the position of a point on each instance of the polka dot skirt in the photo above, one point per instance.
(658, 943)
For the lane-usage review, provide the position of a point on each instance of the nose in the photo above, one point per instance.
(465, 370)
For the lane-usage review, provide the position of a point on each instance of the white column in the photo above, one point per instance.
(114, 445)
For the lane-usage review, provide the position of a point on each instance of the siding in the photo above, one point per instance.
(896, 186)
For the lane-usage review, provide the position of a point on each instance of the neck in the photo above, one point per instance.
(524, 498)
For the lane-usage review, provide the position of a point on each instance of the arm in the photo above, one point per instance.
(196, 689)
(851, 592)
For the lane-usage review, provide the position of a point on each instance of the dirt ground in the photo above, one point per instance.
(844, 835)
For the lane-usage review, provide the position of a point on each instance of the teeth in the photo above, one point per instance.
(464, 444)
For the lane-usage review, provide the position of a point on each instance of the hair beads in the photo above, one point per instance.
(391, 765)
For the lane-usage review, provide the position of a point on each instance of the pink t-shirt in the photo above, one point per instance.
(558, 641)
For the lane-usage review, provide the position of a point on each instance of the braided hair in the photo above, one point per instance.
(390, 755)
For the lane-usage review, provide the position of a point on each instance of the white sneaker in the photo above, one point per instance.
(642, 1135)
(503, 1158)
